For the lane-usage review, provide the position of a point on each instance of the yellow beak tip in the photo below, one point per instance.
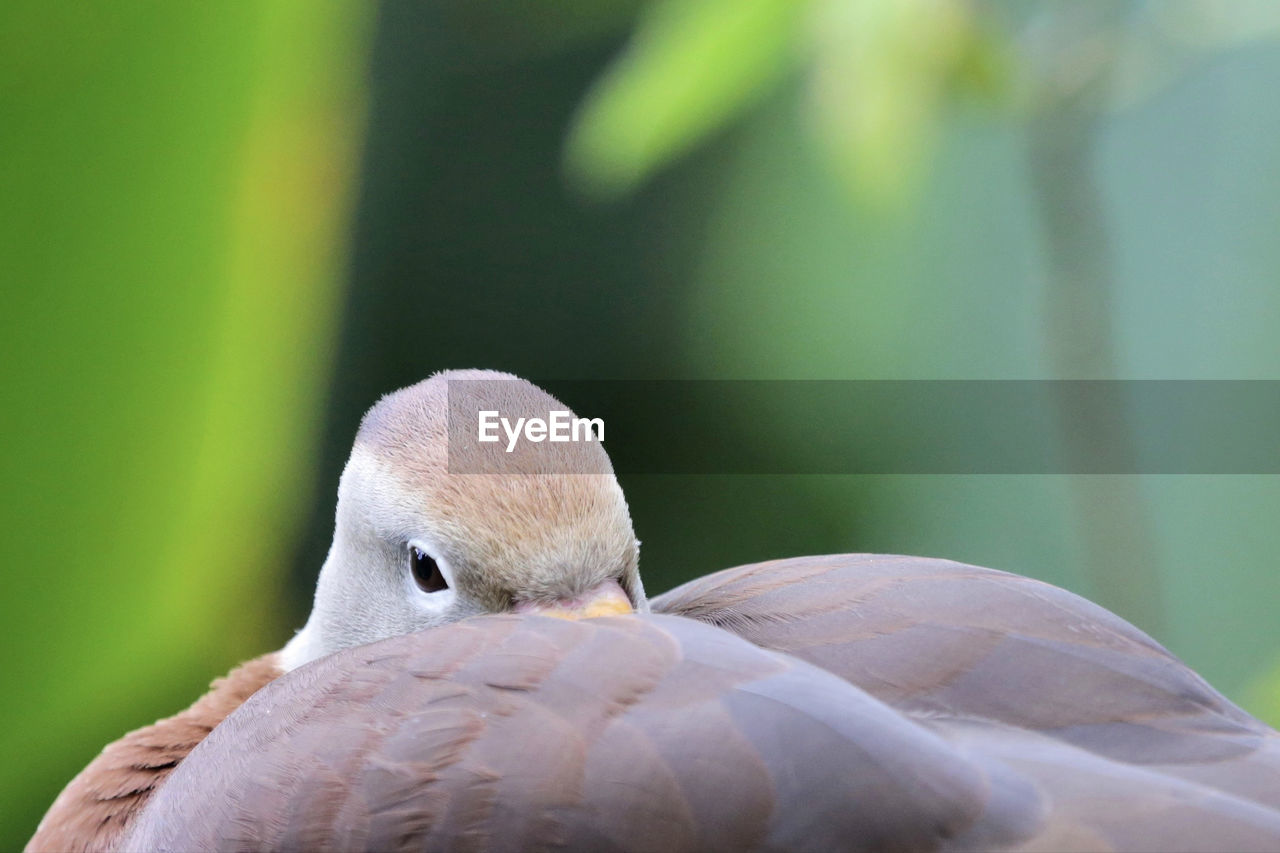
(605, 600)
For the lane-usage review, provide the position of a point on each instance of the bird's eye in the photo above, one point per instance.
(426, 571)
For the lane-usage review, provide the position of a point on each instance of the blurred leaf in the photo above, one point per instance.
(987, 67)
(881, 70)
(691, 66)
(177, 181)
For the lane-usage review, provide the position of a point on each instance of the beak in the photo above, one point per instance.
(607, 599)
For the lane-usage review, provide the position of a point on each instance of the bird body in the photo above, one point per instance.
(527, 734)
(852, 702)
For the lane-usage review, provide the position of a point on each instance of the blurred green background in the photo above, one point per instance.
(228, 228)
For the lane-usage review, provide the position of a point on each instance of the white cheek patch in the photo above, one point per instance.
(434, 603)
(299, 650)
(430, 603)
(368, 588)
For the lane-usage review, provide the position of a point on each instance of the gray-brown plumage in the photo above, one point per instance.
(922, 705)
(829, 703)
(1132, 748)
(528, 734)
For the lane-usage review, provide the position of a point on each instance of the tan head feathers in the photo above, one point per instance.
(505, 521)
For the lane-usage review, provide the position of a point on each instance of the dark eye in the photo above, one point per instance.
(426, 572)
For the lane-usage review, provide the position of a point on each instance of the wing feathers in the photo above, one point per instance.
(907, 705)
(638, 733)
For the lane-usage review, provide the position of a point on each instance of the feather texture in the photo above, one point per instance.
(850, 702)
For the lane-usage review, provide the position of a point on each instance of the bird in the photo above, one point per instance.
(482, 670)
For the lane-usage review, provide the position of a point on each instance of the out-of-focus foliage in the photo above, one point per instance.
(876, 70)
(749, 256)
(1164, 37)
(798, 190)
(1022, 254)
(691, 65)
(176, 183)
(881, 71)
